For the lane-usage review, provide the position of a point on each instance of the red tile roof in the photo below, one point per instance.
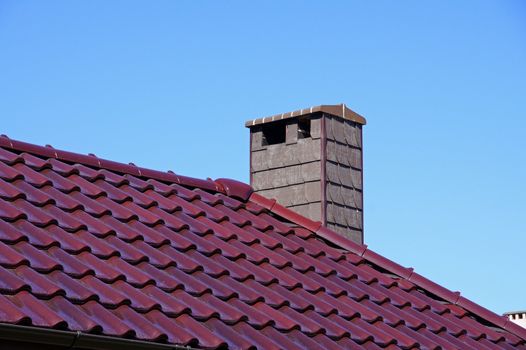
(105, 248)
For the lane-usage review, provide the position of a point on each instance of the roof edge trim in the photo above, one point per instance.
(93, 161)
(407, 273)
(514, 328)
(340, 110)
(434, 288)
(265, 202)
(296, 218)
(482, 312)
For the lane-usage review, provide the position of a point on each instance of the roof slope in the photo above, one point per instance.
(106, 248)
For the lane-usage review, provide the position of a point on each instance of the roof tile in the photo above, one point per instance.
(38, 260)
(21, 189)
(10, 212)
(106, 293)
(9, 257)
(62, 168)
(139, 300)
(143, 329)
(34, 162)
(87, 188)
(170, 305)
(75, 291)
(77, 320)
(173, 330)
(190, 284)
(110, 323)
(31, 176)
(218, 288)
(37, 311)
(9, 158)
(10, 234)
(206, 338)
(71, 264)
(35, 235)
(10, 313)
(244, 293)
(231, 336)
(10, 283)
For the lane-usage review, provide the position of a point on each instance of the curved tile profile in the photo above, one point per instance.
(106, 248)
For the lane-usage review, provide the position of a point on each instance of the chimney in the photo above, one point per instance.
(310, 161)
(517, 317)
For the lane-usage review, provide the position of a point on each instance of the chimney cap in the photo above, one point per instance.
(340, 110)
(514, 312)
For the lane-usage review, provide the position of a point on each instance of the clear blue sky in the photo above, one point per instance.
(168, 85)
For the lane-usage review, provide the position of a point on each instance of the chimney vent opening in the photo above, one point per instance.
(274, 133)
(304, 128)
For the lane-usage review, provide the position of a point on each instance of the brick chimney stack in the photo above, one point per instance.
(310, 161)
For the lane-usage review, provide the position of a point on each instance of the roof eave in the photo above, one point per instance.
(78, 340)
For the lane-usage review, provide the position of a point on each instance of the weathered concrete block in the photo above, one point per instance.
(256, 140)
(338, 125)
(355, 158)
(311, 171)
(310, 210)
(351, 197)
(353, 134)
(334, 193)
(315, 128)
(291, 133)
(308, 150)
(259, 160)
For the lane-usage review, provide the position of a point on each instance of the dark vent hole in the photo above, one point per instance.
(273, 134)
(303, 129)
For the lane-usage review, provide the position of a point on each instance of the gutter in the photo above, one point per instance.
(78, 340)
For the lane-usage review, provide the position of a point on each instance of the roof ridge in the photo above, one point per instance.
(404, 272)
(101, 163)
